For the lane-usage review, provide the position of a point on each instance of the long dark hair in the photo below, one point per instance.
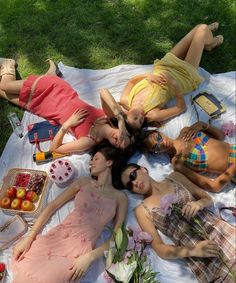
(114, 154)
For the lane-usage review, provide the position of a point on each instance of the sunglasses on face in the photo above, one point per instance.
(157, 147)
(132, 177)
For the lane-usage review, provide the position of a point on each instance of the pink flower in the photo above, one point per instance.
(131, 244)
(166, 203)
(138, 247)
(127, 256)
(136, 232)
(229, 129)
(144, 237)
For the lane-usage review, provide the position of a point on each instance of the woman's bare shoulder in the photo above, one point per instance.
(120, 195)
(85, 180)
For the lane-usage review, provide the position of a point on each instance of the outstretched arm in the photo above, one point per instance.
(83, 262)
(23, 246)
(201, 249)
(206, 183)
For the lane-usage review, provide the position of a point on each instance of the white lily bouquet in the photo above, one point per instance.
(126, 259)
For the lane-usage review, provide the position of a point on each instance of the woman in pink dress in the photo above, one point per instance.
(52, 98)
(67, 250)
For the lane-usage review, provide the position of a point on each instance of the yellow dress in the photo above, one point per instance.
(183, 72)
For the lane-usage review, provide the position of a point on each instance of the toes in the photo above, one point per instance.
(217, 41)
(220, 39)
(213, 26)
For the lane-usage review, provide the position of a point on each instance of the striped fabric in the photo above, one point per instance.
(232, 158)
(197, 159)
(232, 154)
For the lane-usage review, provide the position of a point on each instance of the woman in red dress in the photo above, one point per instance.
(52, 98)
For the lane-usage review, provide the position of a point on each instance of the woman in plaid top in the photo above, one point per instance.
(178, 208)
(199, 147)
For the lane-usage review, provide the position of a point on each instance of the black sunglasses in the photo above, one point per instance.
(132, 177)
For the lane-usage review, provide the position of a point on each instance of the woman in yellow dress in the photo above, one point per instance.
(145, 95)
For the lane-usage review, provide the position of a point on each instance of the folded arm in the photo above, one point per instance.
(75, 119)
(188, 133)
(158, 114)
(133, 81)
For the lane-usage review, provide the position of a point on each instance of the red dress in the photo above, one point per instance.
(55, 100)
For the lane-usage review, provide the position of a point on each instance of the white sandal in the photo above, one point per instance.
(213, 26)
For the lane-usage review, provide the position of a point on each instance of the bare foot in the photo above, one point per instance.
(217, 41)
(213, 26)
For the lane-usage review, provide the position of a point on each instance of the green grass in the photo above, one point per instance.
(102, 34)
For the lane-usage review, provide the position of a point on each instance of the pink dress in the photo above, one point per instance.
(51, 256)
(55, 100)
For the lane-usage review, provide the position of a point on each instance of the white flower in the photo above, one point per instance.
(123, 272)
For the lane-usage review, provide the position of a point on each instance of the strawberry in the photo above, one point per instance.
(2, 267)
(2, 270)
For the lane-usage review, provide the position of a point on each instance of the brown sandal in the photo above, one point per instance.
(217, 41)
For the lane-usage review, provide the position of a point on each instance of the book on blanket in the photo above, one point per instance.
(210, 104)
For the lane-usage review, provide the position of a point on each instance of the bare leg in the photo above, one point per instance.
(10, 88)
(181, 48)
(203, 37)
(190, 48)
(13, 98)
(10, 85)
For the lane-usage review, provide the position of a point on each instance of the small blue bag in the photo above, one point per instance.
(42, 131)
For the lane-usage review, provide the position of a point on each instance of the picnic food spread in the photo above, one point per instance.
(22, 190)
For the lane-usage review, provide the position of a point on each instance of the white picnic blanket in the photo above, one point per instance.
(18, 153)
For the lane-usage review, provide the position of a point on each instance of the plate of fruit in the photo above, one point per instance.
(23, 190)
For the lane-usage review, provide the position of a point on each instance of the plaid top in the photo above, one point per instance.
(232, 154)
(176, 228)
(197, 158)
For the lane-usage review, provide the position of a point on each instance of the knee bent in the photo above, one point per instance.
(202, 28)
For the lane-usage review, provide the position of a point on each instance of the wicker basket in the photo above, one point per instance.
(10, 179)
